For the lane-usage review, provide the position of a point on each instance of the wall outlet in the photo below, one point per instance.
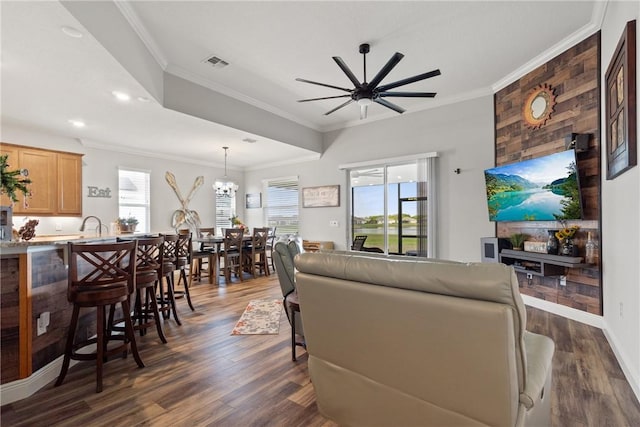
(333, 223)
(563, 280)
(58, 226)
(43, 322)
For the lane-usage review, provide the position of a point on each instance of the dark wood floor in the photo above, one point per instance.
(206, 377)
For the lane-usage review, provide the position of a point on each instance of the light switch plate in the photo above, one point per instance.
(333, 223)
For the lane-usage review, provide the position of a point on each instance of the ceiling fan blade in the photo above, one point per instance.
(386, 69)
(320, 99)
(339, 107)
(388, 104)
(324, 84)
(409, 80)
(347, 71)
(407, 94)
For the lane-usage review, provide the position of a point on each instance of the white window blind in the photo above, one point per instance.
(282, 204)
(134, 197)
(225, 209)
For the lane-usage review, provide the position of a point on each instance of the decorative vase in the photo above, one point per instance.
(552, 243)
(568, 248)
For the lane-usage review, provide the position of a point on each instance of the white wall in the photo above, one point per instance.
(461, 133)
(621, 223)
(100, 169)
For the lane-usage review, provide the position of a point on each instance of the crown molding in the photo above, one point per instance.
(551, 53)
(132, 18)
(441, 102)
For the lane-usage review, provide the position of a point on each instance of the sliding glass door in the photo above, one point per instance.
(389, 205)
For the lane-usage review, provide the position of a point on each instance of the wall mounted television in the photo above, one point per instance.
(542, 189)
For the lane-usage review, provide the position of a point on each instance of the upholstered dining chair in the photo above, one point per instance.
(231, 253)
(283, 255)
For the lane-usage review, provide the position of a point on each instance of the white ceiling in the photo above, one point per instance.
(49, 78)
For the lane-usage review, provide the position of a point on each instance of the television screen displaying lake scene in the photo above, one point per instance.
(542, 189)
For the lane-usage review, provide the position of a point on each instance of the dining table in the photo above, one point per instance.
(215, 242)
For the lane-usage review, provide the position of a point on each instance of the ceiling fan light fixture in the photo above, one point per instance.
(365, 102)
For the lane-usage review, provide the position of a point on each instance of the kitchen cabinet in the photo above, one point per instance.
(56, 181)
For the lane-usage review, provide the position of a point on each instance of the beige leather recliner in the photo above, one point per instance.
(402, 342)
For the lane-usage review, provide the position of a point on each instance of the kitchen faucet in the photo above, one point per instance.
(98, 228)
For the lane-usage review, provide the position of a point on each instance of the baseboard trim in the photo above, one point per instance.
(20, 389)
(564, 311)
(631, 376)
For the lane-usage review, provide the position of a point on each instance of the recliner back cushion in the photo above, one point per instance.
(479, 281)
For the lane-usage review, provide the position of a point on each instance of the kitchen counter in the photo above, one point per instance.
(40, 242)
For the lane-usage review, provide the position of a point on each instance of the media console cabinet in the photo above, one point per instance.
(540, 264)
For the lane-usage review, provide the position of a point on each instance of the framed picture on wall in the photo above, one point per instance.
(321, 197)
(621, 105)
(254, 200)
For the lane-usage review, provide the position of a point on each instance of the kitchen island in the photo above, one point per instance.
(33, 283)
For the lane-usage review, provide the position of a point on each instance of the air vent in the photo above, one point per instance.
(249, 140)
(216, 62)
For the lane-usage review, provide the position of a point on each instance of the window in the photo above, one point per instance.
(392, 202)
(134, 192)
(225, 209)
(281, 204)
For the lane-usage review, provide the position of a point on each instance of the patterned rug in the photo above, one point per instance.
(261, 317)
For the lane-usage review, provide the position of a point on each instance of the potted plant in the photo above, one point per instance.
(12, 182)
(517, 240)
(127, 225)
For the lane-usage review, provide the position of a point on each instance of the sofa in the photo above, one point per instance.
(399, 341)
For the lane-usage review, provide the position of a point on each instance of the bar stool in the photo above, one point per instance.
(148, 265)
(100, 275)
(167, 298)
(182, 262)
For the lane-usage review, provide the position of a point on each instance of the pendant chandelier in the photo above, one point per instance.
(224, 187)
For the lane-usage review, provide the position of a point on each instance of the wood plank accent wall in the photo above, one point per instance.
(10, 313)
(575, 75)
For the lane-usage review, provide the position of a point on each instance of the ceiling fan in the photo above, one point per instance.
(366, 93)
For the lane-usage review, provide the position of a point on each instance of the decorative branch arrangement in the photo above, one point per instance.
(184, 215)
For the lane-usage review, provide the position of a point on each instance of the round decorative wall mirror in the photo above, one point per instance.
(538, 106)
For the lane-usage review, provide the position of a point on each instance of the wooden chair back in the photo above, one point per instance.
(108, 265)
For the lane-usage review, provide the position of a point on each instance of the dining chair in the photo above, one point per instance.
(201, 252)
(100, 275)
(255, 254)
(271, 240)
(231, 253)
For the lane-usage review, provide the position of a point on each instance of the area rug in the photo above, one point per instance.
(261, 317)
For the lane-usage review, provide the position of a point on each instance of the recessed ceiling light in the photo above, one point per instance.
(121, 96)
(72, 32)
(77, 123)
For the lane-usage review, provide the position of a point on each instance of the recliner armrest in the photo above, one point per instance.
(539, 353)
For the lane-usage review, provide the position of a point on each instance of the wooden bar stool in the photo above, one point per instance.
(231, 254)
(183, 261)
(100, 275)
(148, 266)
(167, 298)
